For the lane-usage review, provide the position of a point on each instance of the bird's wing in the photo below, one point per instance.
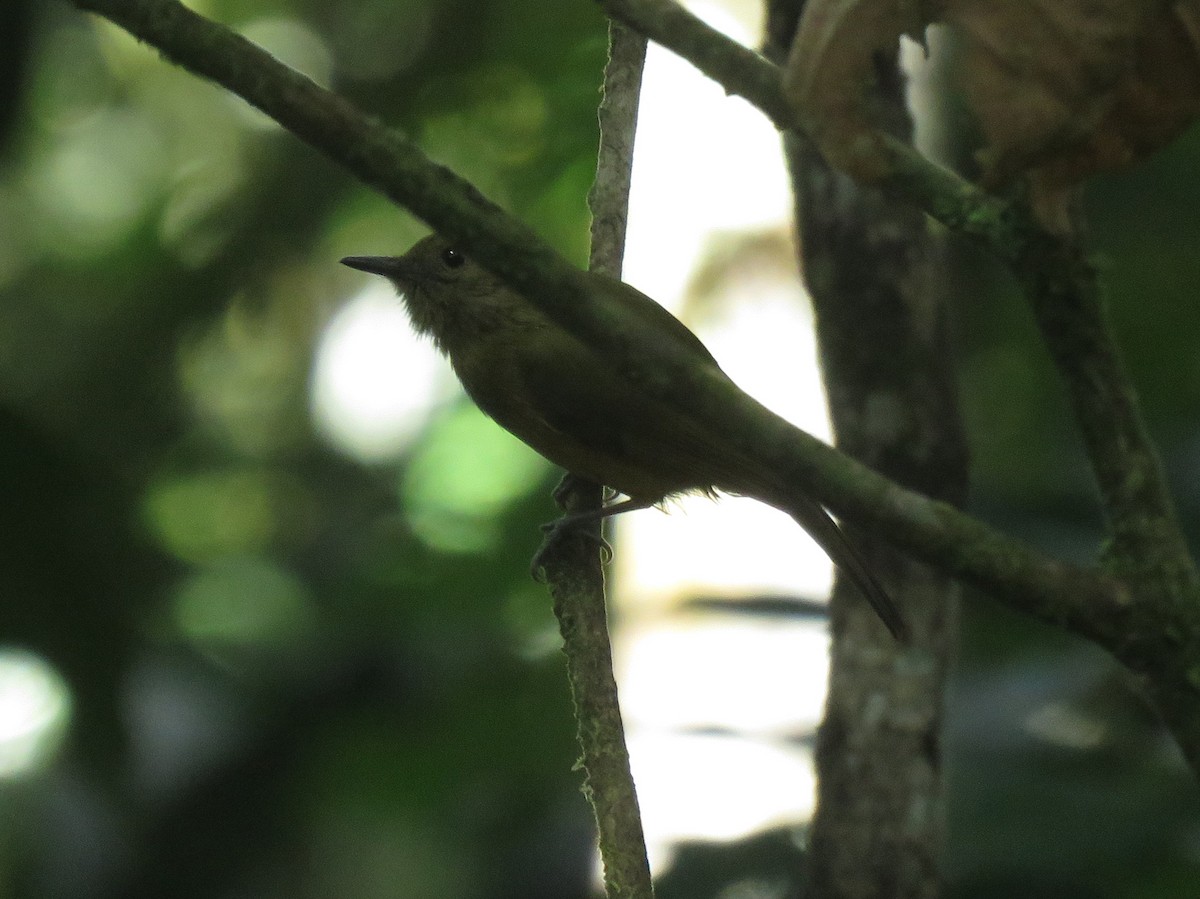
(581, 412)
(656, 320)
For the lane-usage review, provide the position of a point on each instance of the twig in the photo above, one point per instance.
(1064, 293)
(609, 197)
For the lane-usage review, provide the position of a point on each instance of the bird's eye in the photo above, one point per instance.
(453, 258)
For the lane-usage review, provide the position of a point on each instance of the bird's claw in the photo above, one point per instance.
(558, 530)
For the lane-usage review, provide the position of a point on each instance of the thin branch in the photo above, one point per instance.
(1147, 542)
(609, 197)
(573, 570)
(577, 584)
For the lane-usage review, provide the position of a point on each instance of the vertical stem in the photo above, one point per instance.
(574, 572)
(609, 197)
(578, 588)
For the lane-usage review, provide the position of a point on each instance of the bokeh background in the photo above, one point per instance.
(266, 632)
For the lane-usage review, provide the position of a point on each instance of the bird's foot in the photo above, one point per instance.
(568, 527)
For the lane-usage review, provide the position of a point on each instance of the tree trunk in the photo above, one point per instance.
(871, 268)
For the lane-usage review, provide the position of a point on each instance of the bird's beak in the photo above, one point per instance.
(389, 266)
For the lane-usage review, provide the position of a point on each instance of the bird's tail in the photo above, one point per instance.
(815, 520)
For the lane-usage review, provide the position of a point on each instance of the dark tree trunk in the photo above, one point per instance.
(870, 265)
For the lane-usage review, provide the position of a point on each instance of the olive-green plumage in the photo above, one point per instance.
(572, 405)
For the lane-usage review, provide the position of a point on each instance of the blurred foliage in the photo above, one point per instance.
(296, 674)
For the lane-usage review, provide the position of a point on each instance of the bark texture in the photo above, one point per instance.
(869, 264)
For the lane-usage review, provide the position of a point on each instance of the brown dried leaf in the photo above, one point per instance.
(1075, 85)
(1061, 88)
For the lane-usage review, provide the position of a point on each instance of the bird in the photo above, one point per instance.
(572, 404)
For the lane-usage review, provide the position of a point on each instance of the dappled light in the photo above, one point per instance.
(503, 123)
(465, 473)
(376, 40)
(245, 611)
(243, 378)
(761, 675)
(35, 710)
(374, 382)
(697, 787)
(199, 516)
(97, 183)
